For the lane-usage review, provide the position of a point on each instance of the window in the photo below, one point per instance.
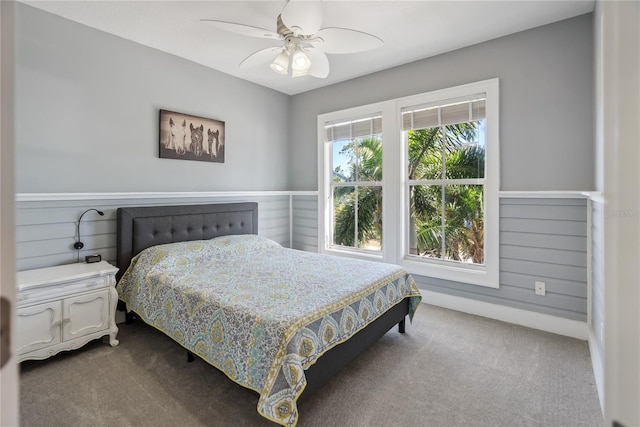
(355, 185)
(445, 145)
(438, 213)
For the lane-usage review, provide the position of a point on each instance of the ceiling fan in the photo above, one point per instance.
(303, 44)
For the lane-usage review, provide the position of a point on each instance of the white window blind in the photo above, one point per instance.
(353, 129)
(448, 113)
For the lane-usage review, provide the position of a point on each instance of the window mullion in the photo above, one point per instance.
(355, 222)
(360, 183)
(356, 156)
(443, 246)
(468, 181)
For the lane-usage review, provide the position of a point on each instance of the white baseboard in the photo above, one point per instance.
(598, 367)
(530, 319)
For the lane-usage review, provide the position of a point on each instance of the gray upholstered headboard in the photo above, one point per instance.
(142, 227)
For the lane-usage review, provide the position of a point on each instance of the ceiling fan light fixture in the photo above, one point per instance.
(300, 61)
(304, 42)
(281, 63)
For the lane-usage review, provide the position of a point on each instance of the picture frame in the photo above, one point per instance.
(187, 137)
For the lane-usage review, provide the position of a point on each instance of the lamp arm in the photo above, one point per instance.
(79, 245)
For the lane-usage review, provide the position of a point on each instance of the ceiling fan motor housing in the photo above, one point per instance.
(283, 30)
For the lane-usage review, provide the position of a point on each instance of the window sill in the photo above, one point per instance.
(474, 276)
(369, 256)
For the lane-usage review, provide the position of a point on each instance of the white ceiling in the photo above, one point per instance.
(411, 30)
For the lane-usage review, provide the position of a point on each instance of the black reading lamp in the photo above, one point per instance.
(78, 244)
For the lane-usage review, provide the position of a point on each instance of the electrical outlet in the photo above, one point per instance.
(540, 288)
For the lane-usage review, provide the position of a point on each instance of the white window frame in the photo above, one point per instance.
(394, 187)
(325, 195)
(487, 275)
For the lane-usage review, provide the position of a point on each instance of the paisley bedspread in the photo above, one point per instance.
(259, 312)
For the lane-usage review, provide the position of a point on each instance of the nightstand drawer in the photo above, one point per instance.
(36, 295)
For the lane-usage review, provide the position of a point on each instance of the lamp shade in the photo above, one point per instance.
(300, 61)
(281, 64)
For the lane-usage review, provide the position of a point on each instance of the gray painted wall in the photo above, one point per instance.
(87, 115)
(540, 240)
(546, 104)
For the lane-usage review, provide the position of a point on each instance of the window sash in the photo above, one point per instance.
(442, 218)
(352, 130)
(355, 248)
(439, 114)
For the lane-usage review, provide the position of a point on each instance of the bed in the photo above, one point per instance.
(270, 318)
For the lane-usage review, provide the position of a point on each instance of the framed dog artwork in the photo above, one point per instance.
(186, 137)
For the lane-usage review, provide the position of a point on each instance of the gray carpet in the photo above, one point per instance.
(449, 369)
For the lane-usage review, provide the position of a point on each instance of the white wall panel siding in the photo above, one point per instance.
(550, 256)
(546, 241)
(550, 241)
(553, 251)
(305, 223)
(558, 286)
(45, 230)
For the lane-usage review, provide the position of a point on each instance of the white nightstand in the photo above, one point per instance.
(64, 307)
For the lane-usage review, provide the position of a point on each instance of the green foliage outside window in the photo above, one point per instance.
(366, 166)
(446, 218)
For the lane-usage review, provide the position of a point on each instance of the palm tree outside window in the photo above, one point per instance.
(356, 183)
(445, 177)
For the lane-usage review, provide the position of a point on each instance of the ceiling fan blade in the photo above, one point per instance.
(343, 40)
(319, 63)
(245, 30)
(302, 17)
(260, 57)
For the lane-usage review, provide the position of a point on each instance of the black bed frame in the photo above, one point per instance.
(142, 227)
